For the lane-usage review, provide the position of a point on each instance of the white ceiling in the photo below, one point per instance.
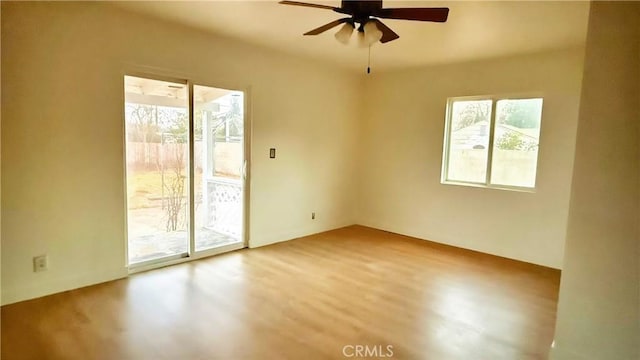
(474, 30)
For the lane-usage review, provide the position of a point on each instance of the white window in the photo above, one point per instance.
(492, 142)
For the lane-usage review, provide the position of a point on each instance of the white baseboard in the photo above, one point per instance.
(291, 234)
(75, 281)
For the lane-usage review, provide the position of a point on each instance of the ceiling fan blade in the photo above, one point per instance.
(418, 14)
(387, 33)
(317, 6)
(326, 27)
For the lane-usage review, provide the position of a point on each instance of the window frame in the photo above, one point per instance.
(447, 139)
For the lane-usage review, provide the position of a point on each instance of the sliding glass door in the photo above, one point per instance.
(185, 171)
(220, 167)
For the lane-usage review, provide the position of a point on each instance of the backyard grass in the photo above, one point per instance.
(144, 187)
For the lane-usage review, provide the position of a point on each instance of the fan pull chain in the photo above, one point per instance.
(369, 61)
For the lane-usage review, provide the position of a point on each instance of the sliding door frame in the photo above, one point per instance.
(191, 253)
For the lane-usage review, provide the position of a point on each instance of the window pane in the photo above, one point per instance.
(157, 156)
(219, 160)
(515, 150)
(469, 141)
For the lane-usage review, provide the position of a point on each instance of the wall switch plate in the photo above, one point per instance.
(40, 263)
(272, 153)
(313, 216)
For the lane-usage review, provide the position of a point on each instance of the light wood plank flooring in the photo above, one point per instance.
(302, 299)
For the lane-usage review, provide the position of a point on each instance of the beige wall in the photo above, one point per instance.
(62, 136)
(598, 311)
(401, 158)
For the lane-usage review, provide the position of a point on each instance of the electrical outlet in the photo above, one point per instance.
(40, 263)
(313, 216)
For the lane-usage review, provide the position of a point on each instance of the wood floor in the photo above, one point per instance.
(302, 299)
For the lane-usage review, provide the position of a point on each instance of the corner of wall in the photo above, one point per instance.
(601, 262)
(1, 156)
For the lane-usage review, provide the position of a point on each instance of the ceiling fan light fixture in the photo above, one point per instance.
(362, 42)
(371, 33)
(366, 11)
(344, 34)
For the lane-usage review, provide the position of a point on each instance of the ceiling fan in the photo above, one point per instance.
(366, 14)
